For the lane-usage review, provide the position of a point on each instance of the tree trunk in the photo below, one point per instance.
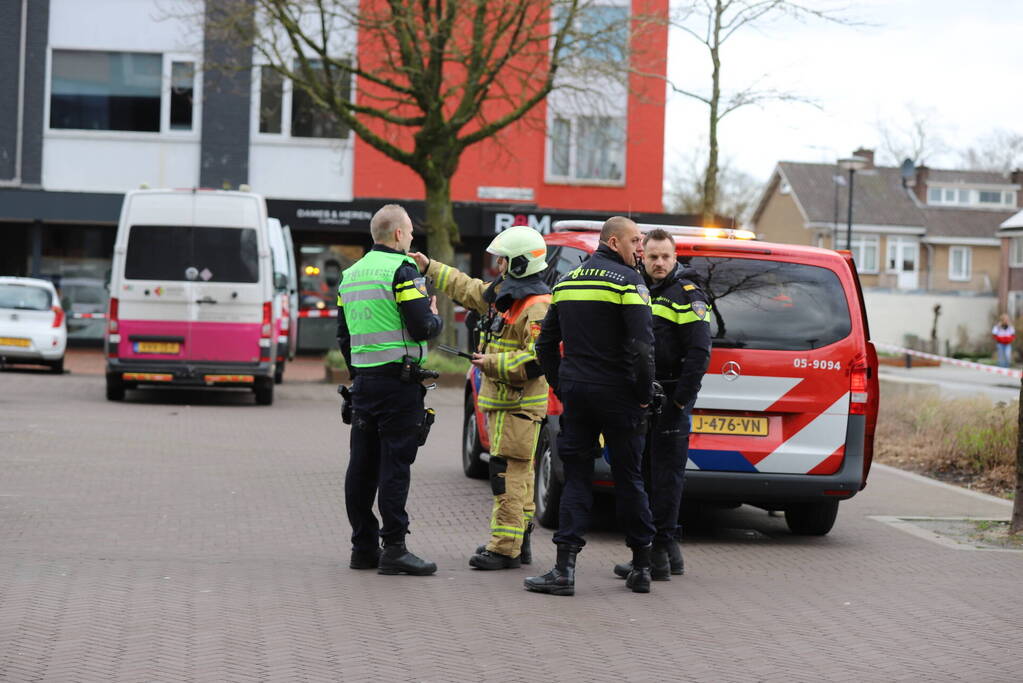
(442, 234)
(710, 178)
(1016, 525)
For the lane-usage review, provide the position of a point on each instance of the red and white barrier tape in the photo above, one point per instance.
(1007, 372)
(87, 316)
(317, 313)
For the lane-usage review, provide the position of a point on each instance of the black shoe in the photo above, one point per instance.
(660, 567)
(678, 567)
(639, 578)
(561, 579)
(365, 559)
(486, 559)
(526, 552)
(623, 569)
(396, 559)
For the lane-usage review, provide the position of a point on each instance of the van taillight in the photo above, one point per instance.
(858, 394)
(113, 338)
(58, 316)
(267, 328)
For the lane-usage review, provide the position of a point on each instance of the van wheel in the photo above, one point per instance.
(115, 388)
(811, 519)
(472, 465)
(279, 373)
(264, 390)
(57, 366)
(548, 486)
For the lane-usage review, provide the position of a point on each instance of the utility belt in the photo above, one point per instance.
(409, 372)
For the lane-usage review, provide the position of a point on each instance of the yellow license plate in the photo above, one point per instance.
(14, 341)
(729, 424)
(157, 347)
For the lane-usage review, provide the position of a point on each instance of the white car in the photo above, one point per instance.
(33, 328)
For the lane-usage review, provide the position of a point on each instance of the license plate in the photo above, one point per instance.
(157, 347)
(14, 341)
(728, 424)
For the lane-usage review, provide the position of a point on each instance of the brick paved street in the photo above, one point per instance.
(196, 536)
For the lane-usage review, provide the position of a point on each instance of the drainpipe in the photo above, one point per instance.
(16, 180)
(930, 262)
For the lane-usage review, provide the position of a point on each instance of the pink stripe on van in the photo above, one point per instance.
(202, 341)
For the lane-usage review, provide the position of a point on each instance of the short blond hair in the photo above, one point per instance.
(615, 226)
(385, 221)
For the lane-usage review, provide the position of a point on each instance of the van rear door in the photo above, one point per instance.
(776, 395)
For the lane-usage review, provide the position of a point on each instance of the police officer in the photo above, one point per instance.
(605, 381)
(384, 319)
(513, 394)
(681, 352)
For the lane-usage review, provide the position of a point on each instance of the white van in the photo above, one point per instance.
(285, 311)
(191, 293)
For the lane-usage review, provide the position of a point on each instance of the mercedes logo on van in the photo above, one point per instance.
(730, 370)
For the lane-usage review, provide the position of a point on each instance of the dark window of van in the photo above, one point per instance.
(157, 252)
(775, 305)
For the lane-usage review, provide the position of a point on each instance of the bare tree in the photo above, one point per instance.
(999, 150)
(915, 135)
(713, 23)
(738, 191)
(438, 76)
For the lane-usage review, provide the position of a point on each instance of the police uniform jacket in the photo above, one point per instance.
(681, 333)
(512, 379)
(414, 305)
(601, 311)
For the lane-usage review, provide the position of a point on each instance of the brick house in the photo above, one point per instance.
(926, 229)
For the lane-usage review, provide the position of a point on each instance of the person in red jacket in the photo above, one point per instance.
(1004, 335)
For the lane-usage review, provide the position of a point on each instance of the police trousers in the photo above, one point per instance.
(513, 439)
(386, 414)
(664, 467)
(592, 410)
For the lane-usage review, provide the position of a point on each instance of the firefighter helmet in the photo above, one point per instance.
(523, 247)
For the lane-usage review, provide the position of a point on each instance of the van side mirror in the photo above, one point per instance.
(280, 282)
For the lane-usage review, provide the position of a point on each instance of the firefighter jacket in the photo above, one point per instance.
(601, 311)
(386, 298)
(512, 311)
(681, 333)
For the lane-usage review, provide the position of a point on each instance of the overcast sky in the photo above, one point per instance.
(958, 61)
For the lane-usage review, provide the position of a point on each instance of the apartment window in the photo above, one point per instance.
(966, 197)
(865, 250)
(600, 33)
(182, 95)
(1016, 252)
(284, 107)
(959, 263)
(105, 90)
(588, 148)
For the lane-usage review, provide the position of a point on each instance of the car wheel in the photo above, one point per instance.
(264, 391)
(115, 388)
(811, 519)
(548, 486)
(472, 465)
(57, 366)
(279, 373)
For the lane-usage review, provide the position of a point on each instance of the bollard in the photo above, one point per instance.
(909, 361)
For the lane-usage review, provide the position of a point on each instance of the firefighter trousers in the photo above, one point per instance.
(513, 439)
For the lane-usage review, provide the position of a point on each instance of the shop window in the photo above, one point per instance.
(105, 90)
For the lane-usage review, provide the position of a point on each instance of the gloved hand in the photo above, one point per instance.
(657, 402)
(346, 403)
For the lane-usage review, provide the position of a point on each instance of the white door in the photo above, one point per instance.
(903, 261)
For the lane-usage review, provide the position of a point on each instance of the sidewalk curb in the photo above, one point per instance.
(934, 482)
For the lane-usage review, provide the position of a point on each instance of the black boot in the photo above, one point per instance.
(526, 553)
(396, 559)
(561, 579)
(678, 566)
(623, 569)
(639, 577)
(487, 559)
(660, 568)
(365, 559)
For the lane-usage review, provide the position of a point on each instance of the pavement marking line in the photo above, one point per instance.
(904, 523)
(934, 482)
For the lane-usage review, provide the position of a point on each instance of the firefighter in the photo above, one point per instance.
(513, 394)
(601, 311)
(681, 353)
(384, 319)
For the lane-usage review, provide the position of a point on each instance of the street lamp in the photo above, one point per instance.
(851, 164)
